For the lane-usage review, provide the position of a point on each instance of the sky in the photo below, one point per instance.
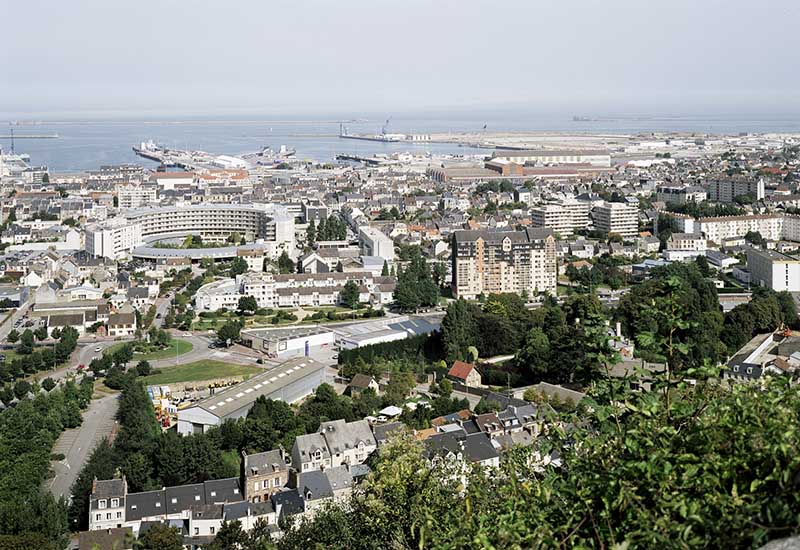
(309, 57)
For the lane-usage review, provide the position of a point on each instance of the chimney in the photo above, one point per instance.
(619, 329)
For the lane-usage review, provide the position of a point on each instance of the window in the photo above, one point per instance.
(236, 491)
(211, 530)
(174, 500)
(133, 507)
(115, 503)
(108, 515)
(119, 515)
(158, 505)
(196, 530)
(196, 497)
(101, 504)
(98, 517)
(213, 493)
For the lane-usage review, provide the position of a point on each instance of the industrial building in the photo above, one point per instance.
(593, 158)
(289, 382)
(358, 335)
(287, 341)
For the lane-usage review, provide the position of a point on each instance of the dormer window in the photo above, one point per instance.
(115, 503)
(102, 504)
(749, 370)
(158, 505)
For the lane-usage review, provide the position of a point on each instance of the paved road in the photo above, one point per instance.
(162, 305)
(9, 324)
(78, 443)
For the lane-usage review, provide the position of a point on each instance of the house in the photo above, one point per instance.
(315, 489)
(263, 474)
(465, 373)
(122, 324)
(139, 297)
(63, 320)
(310, 452)
(348, 442)
(361, 382)
(118, 538)
(107, 504)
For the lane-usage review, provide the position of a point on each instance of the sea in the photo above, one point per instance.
(87, 142)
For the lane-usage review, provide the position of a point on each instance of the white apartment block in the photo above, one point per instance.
(112, 239)
(771, 226)
(374, 243)
(680, 195)
(685, 246)
(616, 217)
(292, 290)
(773, 270)
(136, 196)
(728, 190)
(564, 218)
(486, 262)
(595, 158)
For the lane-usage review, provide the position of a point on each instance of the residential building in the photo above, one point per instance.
(135, 196)
(487, 261)
(112, 239)
(122, 324)
(728, 190)
(617, 218)
(773, 270)
(374, 243)
(564, 218)
(263, 474)
(465, 373)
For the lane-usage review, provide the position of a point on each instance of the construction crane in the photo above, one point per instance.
(12, 137)
(385, 126)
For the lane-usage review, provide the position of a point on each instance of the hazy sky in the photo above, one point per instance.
(326, 56)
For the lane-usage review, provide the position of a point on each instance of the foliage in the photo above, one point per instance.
(349, 296)
(160, 537)
(415, 285)
(285, 263)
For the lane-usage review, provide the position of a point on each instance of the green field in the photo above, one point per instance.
(176, 347)
(199, 370)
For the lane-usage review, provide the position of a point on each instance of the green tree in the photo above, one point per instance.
(285, 263)
(48, 384)
(13, 336)
(143, 368)
(26, 343)
(248, 303)
(458, 330)
(349, 297)
(40, 333)
(160, 536)
(229, 332)
(311, 234)
(238, 266)
(385, 269)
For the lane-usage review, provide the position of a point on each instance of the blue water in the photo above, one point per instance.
(87, 144)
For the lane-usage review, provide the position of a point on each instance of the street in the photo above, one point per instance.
(76, 444)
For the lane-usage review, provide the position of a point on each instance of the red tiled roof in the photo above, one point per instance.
(461, 370)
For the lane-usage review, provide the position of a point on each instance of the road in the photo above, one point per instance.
(76, 444)
(162, 305)
(9, 324)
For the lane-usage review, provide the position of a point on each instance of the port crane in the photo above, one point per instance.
(385, 126)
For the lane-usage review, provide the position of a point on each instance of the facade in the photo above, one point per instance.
(680, 195)
(774, 270)
(374, 243)
(287, 341)
(293, 290)
(728, 190)
(488, 261)
(617, 218)
(465, 373)
(337, 443)
(216, 222)
(564, 218)
(112, 239)
(770, 226)
(136, 196)
(598, 158)
(264, 474)
(122, 324)
(287, 382)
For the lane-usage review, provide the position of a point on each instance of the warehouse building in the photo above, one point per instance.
(359, 335)
(287, 341)
(289, 382)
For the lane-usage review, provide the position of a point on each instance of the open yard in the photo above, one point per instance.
(199, 370)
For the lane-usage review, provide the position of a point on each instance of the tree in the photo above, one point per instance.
(248, 303)
(230, 536)
(13, 336)
(238, 266)
(123, 355)
(350, 295)
(229, 332)
(458, 330)
(48, 384)
(285, 263)
(385, 269)
(21, 389)
(143, 368)
(41, 333)
(160, 537)
(311, 234)
(26, 343)
(535, 355)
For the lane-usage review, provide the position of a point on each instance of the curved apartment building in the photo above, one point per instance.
(267, 223)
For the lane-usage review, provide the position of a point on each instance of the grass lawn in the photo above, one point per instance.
(199, 370)
(176, 347)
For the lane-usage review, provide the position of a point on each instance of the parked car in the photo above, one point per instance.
(98, 349)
